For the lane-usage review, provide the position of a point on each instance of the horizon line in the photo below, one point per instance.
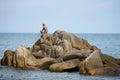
(51, 33)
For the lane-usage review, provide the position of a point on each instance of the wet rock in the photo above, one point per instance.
(79, 43)
(64, 66)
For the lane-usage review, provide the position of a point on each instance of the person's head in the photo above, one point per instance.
(43, 24)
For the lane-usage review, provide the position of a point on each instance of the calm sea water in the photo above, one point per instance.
(108, 43)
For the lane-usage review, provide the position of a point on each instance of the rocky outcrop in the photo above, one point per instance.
(62, 51)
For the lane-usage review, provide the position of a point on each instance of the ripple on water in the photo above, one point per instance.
(11, 73)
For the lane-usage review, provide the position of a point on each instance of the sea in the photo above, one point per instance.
(108, 43)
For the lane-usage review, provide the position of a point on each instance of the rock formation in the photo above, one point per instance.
(62, 51)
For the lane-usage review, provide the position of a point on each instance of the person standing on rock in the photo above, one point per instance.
(44, 31)
(44, 40)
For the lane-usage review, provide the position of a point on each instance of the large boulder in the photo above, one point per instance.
(65, 66)
(79, 43)
(80, 54)
(110, 61)
(8, 58)
(44, 63)
(23, 57)
(91, 62)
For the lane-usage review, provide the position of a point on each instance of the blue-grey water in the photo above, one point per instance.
(108, 43)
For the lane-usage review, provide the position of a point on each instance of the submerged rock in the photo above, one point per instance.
(62, 51)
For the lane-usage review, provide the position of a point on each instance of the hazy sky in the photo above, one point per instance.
(77, 16)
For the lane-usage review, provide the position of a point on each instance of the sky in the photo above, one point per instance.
(75, 16)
